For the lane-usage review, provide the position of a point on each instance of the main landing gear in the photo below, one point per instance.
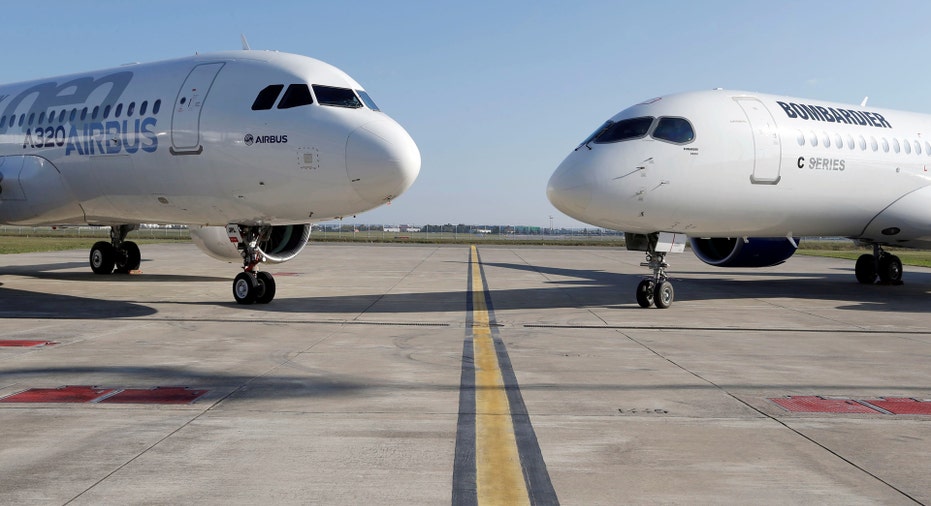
(251, 286)
(885, 267)
(119, 254)
(655, 290)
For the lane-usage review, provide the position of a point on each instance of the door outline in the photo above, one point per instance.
(188, 106)
(767, 146)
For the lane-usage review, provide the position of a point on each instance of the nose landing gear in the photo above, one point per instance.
(655, 290)
(252, 286)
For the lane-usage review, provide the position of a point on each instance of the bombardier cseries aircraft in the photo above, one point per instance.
(741, 175)
(248, 148)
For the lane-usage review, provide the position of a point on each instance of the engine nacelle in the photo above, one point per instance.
(734, 252)
(283, 244)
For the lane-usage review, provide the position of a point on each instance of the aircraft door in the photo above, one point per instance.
(767, 147)
(185, 117)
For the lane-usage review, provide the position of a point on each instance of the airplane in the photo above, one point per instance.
(247, 148)
(741, 175)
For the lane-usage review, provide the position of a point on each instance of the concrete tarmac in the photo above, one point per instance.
(353, 385)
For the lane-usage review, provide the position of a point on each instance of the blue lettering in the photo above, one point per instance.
(148, 126)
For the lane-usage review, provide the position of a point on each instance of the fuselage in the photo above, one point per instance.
(735, 164)
(247, 137)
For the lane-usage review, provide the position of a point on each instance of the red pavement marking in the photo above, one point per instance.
(903, 406)
(157, 395)
(816, 404)
(58, 395)
(24, 344)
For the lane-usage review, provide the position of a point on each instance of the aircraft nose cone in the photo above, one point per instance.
(570, 188)
(381, 161)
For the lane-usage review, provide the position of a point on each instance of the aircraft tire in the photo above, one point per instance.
(266, 287)
(129, 258)
(663, 294)
(102, 258)
(645, 293)
(890, 269)
(865, 269)
(245, 288)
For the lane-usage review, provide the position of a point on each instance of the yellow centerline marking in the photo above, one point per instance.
(499, 478)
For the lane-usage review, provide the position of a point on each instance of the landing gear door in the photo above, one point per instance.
(767, 147)
(185, 117)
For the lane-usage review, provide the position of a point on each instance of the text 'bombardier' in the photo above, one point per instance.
(741, 175)
(247, 148)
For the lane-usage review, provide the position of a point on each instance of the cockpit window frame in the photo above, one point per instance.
(328, 101)
(639, 133)
(660, 120)
(267, 97)
(296, 95)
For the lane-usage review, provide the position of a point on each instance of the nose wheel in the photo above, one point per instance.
(656, 290)
(252, 286)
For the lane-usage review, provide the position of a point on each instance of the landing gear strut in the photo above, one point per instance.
(252, 286)
(885, 267)
(119, 254)
(655, 290)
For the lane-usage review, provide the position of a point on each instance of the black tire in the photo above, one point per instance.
(266, 287)
(645, 293)
(865, 269)
(128, 258)
(890, 269)
(663, 295)
(102, 258)
(245, 288)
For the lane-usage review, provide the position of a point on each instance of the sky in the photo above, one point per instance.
(496, 94)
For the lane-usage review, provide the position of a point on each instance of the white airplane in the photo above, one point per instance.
(248, 148)
(741, 175)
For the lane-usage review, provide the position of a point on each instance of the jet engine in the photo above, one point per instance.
(737, 252)
(282, 244)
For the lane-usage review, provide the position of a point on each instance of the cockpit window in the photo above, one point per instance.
(267, 97)
(594, 134)
(338, 97)
(368, 100)
(677, 130)
(296, 95)
(623, 130)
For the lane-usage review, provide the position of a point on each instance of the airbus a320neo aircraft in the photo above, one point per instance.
(741, 175)
(248, 148)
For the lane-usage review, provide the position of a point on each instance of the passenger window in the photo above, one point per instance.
(838, 141)
(368, 100)
(908, 147)
(928, 148)
(32, 116)
(143, 107)
(61, 116)
(42, 117)
(827, 139)
(106, 112)
(677, 130)
(119, 110)
(130, 109)
(296, 95)
(22, 119)
(813, 139)
(862, 143)
(337, 97)
(156, 106)
(917, 148)
(266, 98)
(801, 139)
(873, 144)
(84, 114)
(849, 142)
(625, 129)
(3, 122)
(95, 112)
(895, 145)
(885, 145)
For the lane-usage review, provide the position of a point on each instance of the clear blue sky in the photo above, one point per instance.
(496, 94)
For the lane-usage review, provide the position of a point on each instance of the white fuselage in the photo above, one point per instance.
(755, 166)
(186, 141)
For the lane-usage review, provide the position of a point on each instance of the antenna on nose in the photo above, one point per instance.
(245, 43)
